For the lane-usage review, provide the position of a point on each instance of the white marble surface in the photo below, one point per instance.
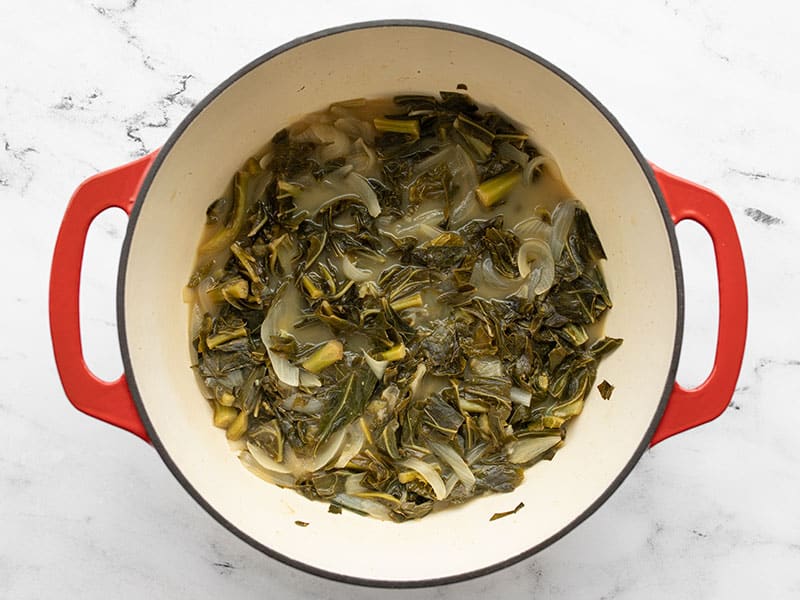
(709, 90)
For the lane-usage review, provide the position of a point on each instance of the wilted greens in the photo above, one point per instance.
(396, 306)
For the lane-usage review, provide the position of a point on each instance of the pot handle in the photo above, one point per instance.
(108, 401)
(690, 408)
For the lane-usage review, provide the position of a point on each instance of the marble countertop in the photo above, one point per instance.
(708, 89)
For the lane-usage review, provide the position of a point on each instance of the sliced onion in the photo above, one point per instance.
(309, 380)
(352, 446)
(265, 160)
(486, 367)
(460, 468)
(463, 166)
(429, 474)
(364, 190)
(433, 161)
(527, 449)
(203, 300)
(563, 215)
(416, 379)
(327, 453)
(509, 152)
(336, 142)
(277, 314)
(533, 228)
(274, 477)
(520, 396)
(339, 174)
(302, 403)
(263, 458)
(286, 255)
(354, 484)
(356, 128)
(364, 159)
(305, 136)
(542, 274)
(421, 226)
(378, 367)
(352, 272)
(490, 283)
(476, 452)
(195, 320)
(363, 505)
(535, 163)
(450, 483)
(465, 178)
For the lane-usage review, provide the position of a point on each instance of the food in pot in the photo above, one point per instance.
(397, 306)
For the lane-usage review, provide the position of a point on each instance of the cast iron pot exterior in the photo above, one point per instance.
(633, 206)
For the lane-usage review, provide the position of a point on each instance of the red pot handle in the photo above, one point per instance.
(690, 408)
(108, 401)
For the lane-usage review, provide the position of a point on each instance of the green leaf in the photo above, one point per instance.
(347, 400)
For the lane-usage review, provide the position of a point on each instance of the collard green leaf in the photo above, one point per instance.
(605, 389)
(347, 400)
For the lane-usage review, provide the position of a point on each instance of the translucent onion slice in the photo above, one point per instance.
(486, 367)
(203, 300)
(265, 460)
(277, 314)
(309, 380)
(520, 396)
(450, 483)
(353, 272)
(490, 284)
(535, 260)
(416, 379)
(265, 160)
(302, 403)
(465, 180)
(195, 320)
(433, 161)
(535, 163)
(336, 142)
(460, 468)
(563, 215)
(356, 128)
(362, 158)
(378, 367)
(363, 505)
(361, 186)
(354, 483)
(509, 152)
(327, 452)
(428, 473)
(530, 448)
(476, 452)
(533, 228)
(352, 446)
(279, 479)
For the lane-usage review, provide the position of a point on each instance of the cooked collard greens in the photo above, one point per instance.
(396, 307)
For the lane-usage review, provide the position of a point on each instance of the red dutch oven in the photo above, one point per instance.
(634, 206)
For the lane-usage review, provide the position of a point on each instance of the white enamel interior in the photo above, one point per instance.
(598, 167)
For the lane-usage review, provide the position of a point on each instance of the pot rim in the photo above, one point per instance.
(153, 433)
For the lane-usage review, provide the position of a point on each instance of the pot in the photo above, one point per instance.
(634, 206)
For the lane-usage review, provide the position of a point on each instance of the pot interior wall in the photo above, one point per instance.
(598, 166)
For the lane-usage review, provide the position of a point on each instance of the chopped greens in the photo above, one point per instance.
(507, 513)
(398, 307)
(605, 389)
